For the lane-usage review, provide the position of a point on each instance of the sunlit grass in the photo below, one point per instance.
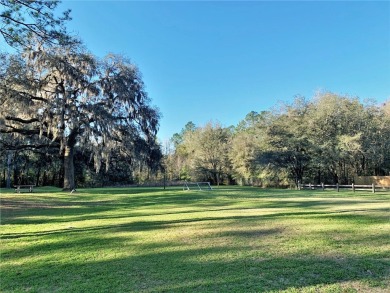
(227, 240)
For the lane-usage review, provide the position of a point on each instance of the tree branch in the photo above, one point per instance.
(12, 129)
(16, 119)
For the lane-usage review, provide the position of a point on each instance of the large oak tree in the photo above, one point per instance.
(64, 97)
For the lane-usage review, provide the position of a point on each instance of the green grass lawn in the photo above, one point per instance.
(228, 240)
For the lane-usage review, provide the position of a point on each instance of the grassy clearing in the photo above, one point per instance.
(227, 240)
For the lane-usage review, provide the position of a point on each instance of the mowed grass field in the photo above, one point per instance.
(230, 239)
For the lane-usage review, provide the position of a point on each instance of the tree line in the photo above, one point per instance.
(328, 139)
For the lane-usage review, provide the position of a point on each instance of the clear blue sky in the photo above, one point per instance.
(217, 61)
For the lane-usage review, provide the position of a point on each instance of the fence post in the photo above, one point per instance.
(299, 185)
(323, 187)
(353, 187)
(338, 187)
(310, 186)
(373, 188)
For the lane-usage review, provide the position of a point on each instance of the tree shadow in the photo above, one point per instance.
(237, 261)
(167, 267)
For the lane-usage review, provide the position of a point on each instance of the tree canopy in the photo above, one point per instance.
(330, 138)
(63, 96)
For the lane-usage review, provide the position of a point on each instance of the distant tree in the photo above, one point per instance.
(375, 141)
(208, 150)
(177, 138)
(24, 20)
(242, 155)
(65, 98)
(286, 141)
(330, 138)
(179, 158)
(246, 142)
(386, 136)
(250, 121)
(335, 125)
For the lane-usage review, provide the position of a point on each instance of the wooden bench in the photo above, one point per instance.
(29, 186)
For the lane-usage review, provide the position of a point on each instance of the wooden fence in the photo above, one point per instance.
(374, 188)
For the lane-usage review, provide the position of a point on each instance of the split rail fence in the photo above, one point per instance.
(374, 188)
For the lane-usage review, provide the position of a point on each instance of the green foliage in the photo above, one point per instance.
(63, 97)
(204, 153)
(271, 176)
(328, 139)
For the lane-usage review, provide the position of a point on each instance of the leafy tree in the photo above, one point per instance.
(330, 138)
(64, 97)
(335, 125)
(242, 156)
(246, 143)
(177, 138)
(287, 144)
(180, 158)
(208, 150)
(375, 142)
(250, 121)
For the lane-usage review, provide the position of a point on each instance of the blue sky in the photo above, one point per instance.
(217, 61)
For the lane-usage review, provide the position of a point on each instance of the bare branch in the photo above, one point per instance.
(24, 121)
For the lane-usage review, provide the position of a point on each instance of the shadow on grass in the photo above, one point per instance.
(86, 205)
(133, 226)
(98, 203)
(111, 257)
(353, 216)
(168, 267)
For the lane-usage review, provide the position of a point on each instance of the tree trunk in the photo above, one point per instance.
(44, 179)
(69, 183)
(53, 179)
(38, 176)
(319, 176)
(9, 159)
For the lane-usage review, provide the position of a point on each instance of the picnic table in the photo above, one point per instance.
(29, 186)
